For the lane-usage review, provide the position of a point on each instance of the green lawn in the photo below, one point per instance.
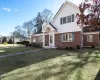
(9, 49)
(52, 65)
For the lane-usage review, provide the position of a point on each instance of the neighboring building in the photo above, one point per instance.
(64, 32)
(19, 39)
(0, 39)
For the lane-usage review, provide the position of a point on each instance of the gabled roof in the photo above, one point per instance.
(63, 7)
(53, 26)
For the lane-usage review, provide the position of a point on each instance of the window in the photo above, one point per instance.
(67, 19)
(40, 39)
(34, 39)
(67, 37)
(64, 20)
(89, 38)
(72, 17)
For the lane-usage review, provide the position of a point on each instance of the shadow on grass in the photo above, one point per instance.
(74, 66)
(97, 76)
(11, 63)
(11, 50)
(19, 61)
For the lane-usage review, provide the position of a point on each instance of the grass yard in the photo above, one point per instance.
(52, 65)
(9, 49)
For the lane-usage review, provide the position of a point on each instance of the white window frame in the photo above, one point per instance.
(69, 38)
(68, 19)
(89, 38)
(40, 38)
(34, 40)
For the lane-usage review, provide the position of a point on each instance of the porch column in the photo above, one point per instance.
(53, 38)
(43, 39)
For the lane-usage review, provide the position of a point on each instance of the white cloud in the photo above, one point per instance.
(7, 9)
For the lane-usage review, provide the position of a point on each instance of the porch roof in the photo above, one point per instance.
(53, 26)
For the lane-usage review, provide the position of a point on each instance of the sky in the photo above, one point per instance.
(16, 12)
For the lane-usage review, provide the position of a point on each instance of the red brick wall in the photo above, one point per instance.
(95, 40)
(74, 43)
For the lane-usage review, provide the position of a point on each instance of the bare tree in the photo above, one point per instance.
(47, 15)
(29, 27)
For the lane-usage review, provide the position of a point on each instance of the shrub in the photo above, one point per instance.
(25, 42)
(10, 41)
(33, 44)
(30, 45)
(70, 48)
(92, 46)
(67, 48)
(26, 45)
(78, 47)
(36, 45)
(5, 43)
(19, 42)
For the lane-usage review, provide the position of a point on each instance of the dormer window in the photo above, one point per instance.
(72, 17)
(67, 19)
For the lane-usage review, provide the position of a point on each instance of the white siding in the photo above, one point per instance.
(67, 10)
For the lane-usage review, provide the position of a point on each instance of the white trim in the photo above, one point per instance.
(89, 38)
(66, 2)
(41, 34)
(53, 38)
(67, 34)
(50, 39)
(43, 39)
(90, 33)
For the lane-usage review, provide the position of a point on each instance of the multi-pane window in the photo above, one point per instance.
(40, 38)
(72, 17)
(64, 20)
(89, 38)
(34, 39)
(67, 37)
(67, 19)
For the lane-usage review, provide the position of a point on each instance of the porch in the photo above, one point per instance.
(48, 35)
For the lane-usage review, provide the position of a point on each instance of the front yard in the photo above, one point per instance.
(10, 49)
(52, 65)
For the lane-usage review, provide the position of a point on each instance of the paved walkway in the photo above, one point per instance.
(14, 54)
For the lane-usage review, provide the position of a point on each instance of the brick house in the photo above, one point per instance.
(63, 30)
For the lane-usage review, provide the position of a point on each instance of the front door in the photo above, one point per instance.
(50, 40)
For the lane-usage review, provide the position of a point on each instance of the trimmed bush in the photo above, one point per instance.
(70, 48)
(26, 45)
(30, 45)
(78, 47)
(36, 45)
(25, 42)
(67, 48)
(92, 46)
(19, 42)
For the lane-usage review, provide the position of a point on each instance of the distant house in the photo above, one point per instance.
(19, 39)
(0, 39)
(64, 32)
